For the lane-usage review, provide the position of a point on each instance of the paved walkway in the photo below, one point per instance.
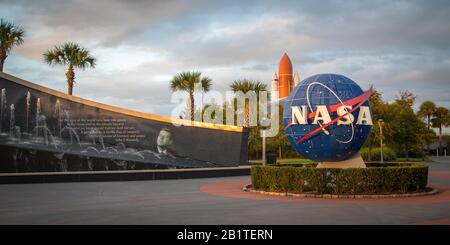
(440, 159)
(209, 201)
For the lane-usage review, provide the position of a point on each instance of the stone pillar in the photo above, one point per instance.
(355, 161)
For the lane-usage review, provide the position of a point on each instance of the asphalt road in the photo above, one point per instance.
(183, 202)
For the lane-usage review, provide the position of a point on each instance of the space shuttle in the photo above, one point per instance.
(283, 82)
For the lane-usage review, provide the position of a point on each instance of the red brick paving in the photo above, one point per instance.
(444, 221)
(440, 174)
(233, 189)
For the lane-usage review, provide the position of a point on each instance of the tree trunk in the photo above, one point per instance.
(440, 139)
(191, 97)
(422, 153)
(247, 114)
(279, 152)
(428, 124)
(70, 88)
(407, 155)
(70, 79)
(2, 59)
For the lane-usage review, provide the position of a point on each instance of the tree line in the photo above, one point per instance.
(403, 130)
(406, 132)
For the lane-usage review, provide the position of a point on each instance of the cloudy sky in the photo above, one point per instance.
(140, 45)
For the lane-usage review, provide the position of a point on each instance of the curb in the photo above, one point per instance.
(248, 188)
(121, 175)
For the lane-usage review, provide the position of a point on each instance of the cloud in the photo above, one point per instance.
(259, 67)
(140, 45)
(94, 23)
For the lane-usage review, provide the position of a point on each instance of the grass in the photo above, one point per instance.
(305, 160)
(288, 160)
(411, 159)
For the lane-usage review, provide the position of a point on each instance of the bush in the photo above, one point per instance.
(388, 154)
(413, 153)
(375, 179)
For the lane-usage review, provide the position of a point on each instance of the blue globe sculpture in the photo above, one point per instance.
(334, 142)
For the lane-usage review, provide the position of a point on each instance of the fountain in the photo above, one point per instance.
(134, 152)
(90, 163)
(63, 165)
(58, 115)
(12, 121)
(121, 145)
(28, 102)
(14, 157)
(38, 113)
(2, 107)
(46, 133)
(95, 135)
(122, 164)
(17, 134)
(72, 133)
(100, 139)
(48, 137)
(36, 126)
(112, 148)
(14, 131)
(91, 148)
(152, 153)
(66, 114)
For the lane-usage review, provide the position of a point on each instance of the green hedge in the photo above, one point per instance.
(375, 179)
(388, 154)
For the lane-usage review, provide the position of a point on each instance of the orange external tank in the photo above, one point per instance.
(284, 76)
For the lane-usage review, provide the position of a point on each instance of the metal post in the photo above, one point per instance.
(382, 157)
(263, 135)
(380, 123)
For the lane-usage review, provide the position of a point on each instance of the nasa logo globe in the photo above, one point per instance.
(327, 117)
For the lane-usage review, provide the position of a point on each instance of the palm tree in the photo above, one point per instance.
(71, 55)
(441, 119)
(10, 36)
(426, 110)
(188, 81)
(244, 86)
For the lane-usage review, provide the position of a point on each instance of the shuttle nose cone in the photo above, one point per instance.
(285, 64)
(284, 76)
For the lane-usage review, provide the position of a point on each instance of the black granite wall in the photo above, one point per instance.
(40, 131)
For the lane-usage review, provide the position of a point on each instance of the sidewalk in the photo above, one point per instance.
(440, 159)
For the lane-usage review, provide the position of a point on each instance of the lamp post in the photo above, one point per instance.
(263, 135)
(264, 121)
(380, 124)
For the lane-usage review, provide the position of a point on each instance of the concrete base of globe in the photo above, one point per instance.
(354, 162)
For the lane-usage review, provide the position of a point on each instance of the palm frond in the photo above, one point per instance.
(54, 56)
(259, 87)
(242, 85)
(186, 81)
(10, 35)
(70, 54)
(206, 83)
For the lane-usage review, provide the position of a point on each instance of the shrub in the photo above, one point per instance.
(375, 179)
(388, 154)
